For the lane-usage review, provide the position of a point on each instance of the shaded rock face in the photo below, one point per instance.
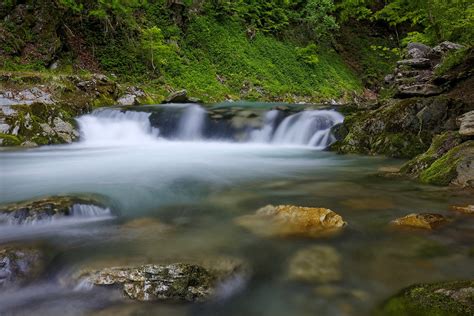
(181, 282)
(319, 264)
(50, 208)
(443, 299)
(423, 220)
(289, 220)
(399, 128)
(19, 265)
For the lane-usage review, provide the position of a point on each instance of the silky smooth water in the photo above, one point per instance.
(197, 189)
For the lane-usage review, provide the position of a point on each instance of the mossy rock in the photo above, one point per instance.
(454, 167)
(439, 299)
(440, 145)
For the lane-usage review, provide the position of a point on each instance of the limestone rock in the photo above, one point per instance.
(466, 124)
(319, 264)
(19, 265)
(289, 220)
(49, 208)
(423, 220)
(181, 282)
(466, 209)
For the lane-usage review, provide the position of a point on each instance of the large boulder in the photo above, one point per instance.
(441, 299)
(417, 63)
(50, 208)
(446, 47)
(456, 167)
(319, 264)
(178, 282)
(20, 264)
(290, 220)
(418, 50)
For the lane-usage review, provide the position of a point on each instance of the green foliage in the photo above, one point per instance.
(437, 19)
(317, 15)
(451, 60)
(308, 54)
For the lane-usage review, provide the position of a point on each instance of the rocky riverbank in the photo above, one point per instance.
(429, 119)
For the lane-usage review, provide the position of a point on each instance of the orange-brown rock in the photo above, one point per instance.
(466, 209)
(289, 220)
(423, 220)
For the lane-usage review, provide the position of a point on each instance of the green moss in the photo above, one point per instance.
(443, 170)
(451, 60)
(440, 145)
(429, 300)
(10, 140)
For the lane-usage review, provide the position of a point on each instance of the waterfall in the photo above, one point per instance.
(310, 128)
(190, 122)
(106, 126)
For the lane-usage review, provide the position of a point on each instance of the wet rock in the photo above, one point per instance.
(178, 97)
(466, 124)
(444, 298)
(49, 208)
(418, 50)
(20, 264)
(440, 145)
(181, 282)
(466, 209)
(453, 168)
(423, 220)
(289, 220)
(319, 264)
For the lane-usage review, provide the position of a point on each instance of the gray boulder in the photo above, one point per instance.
(418, 50)
(178, 97)
(446, 47)
(417, 63)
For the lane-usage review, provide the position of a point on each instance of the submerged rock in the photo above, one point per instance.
(20, 264)
(320, 264)
(466, 209)
(49, 208)
(423, 220)
(441, 299)
(181, 282)
(290, 220)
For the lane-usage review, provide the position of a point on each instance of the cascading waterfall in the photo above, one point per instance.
(106, 126)
(311, 128)
(191, 123)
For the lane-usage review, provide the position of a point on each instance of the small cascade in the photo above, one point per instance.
(309, 128)
(192, 123)
(105, 126)
(85, 210)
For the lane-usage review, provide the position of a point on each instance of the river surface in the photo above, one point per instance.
(195, 188)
